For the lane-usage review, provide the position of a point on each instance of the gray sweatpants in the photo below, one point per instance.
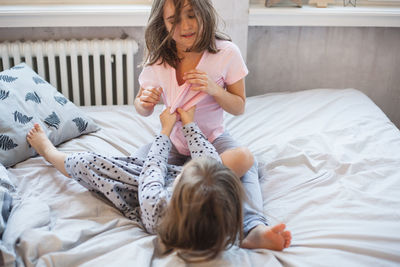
(252, 208)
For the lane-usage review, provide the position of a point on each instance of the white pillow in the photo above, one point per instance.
(25, 99)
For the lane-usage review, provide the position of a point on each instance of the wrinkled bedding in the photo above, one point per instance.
(329, 168)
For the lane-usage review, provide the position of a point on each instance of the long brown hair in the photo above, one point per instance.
(159, 43)
(205, 215)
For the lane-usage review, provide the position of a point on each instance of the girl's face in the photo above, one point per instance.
(186, 29)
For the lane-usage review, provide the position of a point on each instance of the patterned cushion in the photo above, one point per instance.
(26, 98)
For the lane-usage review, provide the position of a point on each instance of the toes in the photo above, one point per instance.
(287, 234)
(31, 131)
(288, 238)
(278, 228)
(37, 127)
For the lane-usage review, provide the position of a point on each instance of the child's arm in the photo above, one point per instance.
(232, 100)
(198, 144)
(152, 193)
(146, 99)
(234, 70)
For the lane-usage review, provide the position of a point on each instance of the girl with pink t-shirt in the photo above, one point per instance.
(189, 63)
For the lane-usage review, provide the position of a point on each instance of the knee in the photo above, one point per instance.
(246, 158)
(239, 160)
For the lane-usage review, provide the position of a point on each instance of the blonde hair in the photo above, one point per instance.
(159, 42)
(204, 216)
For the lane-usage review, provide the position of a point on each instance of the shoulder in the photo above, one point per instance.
(153, 75)
(159, 64)
(227, 46)
(156, 67)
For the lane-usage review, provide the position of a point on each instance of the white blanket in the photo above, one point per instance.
(330, 169)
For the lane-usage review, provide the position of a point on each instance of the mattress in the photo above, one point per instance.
(329, 165)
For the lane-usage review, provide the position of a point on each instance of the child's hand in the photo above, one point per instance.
(187, 116)
(150, 97)
(168, 121)
(200, 81)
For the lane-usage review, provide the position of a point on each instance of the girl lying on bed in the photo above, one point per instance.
(196, 210)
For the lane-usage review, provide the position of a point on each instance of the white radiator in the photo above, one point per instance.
(88, 72)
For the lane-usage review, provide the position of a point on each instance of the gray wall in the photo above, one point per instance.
(298, 58)
(235, 15)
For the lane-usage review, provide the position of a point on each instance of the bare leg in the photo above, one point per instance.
(38, 139)
(262, 236)
(239, 160)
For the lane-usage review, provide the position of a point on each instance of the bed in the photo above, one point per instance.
(329, 164)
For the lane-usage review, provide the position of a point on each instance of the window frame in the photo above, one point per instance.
(132, 15)
(378, 3)
(74, 2)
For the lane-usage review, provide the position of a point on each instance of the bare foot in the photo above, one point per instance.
(262, 236)
(38, 139)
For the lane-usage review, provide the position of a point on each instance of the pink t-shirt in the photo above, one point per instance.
(225, 68)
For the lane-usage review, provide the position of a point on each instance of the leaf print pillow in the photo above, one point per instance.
(25, 99)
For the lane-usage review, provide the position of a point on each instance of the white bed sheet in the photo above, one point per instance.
(330, 169)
